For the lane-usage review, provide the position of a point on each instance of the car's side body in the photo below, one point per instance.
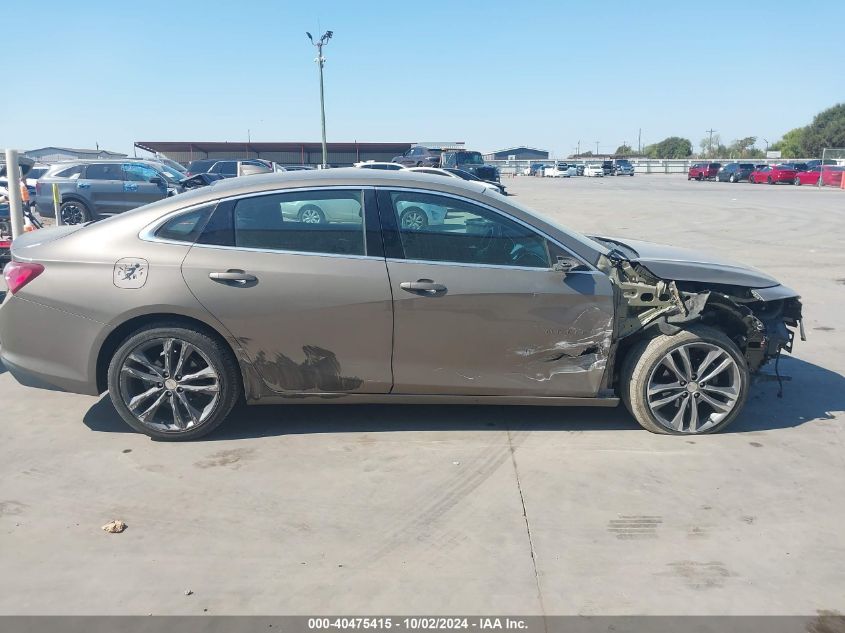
(593, 170)
(560, 170)
(419, 156)
(104, 187)
(472, 299)
(703, 171)
(735, 172)
(773, 174)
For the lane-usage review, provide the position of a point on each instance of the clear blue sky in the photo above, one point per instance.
(493, 74)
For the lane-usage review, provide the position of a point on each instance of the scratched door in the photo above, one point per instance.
(478, 309)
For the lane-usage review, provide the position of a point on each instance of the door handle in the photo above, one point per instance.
(83, 185)
(237, 276)
(425, 287)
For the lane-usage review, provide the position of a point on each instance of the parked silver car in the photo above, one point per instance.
(183, 307)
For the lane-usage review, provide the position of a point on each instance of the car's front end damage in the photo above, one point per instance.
(669, 293)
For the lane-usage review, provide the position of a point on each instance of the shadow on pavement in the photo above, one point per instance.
(814, 393)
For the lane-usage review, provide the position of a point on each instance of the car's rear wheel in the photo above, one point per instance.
(173, 383)
(74, 212)
(732, 178)
(797, 181)
(700, 177)
(769, 180)
(413, 218)
(694, 382)
(311, 214)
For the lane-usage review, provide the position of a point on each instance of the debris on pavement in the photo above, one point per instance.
(114, 527)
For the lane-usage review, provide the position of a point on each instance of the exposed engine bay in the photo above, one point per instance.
(758, 320)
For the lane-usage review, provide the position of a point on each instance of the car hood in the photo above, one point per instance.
(680, 264)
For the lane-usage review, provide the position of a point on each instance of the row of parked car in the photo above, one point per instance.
(567, 169)
(92, 189)
(810, 173)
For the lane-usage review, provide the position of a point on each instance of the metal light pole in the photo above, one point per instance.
(13, 178)
(320, 62)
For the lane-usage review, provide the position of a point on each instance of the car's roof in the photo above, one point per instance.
(341, 176)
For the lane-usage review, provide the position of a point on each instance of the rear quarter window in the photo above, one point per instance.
(185, 227)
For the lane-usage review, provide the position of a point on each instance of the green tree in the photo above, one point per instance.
(792, 144)
(826, 130)
(672, 147)
(743, 147)
(712, 147)
(624, 150)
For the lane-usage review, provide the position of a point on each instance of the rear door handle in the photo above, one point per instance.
(425, 287)
(236, 276)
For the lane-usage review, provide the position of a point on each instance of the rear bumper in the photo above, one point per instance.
(48, 348)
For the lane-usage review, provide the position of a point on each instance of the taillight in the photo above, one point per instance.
(18, 274)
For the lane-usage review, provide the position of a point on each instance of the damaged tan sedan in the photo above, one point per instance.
(381, 287)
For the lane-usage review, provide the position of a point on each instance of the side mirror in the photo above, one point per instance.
(566, 264)
(155, 180)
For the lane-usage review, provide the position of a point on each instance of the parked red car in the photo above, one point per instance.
(773, 174)
(832, 175)
(810, 177)
(704, 171)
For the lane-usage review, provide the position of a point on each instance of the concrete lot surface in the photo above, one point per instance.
(470, 510)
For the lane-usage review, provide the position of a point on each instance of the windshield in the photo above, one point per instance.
(592, 245)
(170, 174)
(469, 158)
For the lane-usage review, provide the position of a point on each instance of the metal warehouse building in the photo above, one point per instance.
(518, 153)
(55, 154)
(339, 154)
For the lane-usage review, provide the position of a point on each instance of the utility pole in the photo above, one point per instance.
(710, 143)
(579, 148)
(640, 141)
(320, 63)
(597, 148)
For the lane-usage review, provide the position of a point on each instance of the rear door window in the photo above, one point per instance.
(104, 171)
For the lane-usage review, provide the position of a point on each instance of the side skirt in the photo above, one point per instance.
(398, 398)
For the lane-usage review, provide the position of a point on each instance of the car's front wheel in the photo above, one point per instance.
(797, 181)
(694, 382)
(173, 383)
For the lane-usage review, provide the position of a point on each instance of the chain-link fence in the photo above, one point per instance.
(832, 169)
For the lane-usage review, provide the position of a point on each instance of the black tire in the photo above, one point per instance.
(732, 178)
(74, 212)
(415, 212)
(221, 359)
(769, 180)
(700, 177)
(797, 181)
(644, 357)
(309, 212)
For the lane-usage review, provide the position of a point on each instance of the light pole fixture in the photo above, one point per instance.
(320, 62)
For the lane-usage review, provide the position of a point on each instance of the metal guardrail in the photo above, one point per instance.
(641, 165)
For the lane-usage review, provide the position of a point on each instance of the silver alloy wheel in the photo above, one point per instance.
(169, 385)
(694, 387)
(414, 219)
(310, 215)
